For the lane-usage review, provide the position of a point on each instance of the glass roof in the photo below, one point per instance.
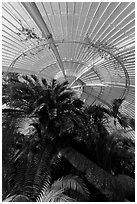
(90, 44)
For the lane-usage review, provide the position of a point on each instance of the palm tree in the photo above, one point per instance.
(105, 147)
(58, 121)
(100, 114)
(100, 130)
(66, 189)
(53, 111)
(124, 120)
(11, 140)
(69, 185)
(119, 153)
(53, 105)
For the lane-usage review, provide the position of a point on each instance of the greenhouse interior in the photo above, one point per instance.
(68, 101)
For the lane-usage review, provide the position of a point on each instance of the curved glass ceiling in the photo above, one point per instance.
(90, 44)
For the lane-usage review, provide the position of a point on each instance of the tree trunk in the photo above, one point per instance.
(115, 188)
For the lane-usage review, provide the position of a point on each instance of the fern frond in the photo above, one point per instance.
(56, 190)
(48, 195)
(71, 182)
(55, 195)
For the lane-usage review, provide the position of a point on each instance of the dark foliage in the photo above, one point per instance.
(35, 168)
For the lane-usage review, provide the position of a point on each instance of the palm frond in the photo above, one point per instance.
(126, 121)
(60, 88)
(50, 195)
(64, 198)
(38, 175)
(9, 198)
(55, 195)
(100, 178)
(78, 103)
(56, 190)
(132, 123)
(53, 84)
(44, 82)
(29, 80)
(65, 95)
(116, 105)
(10, 77)
(72, 182)
(17, 198)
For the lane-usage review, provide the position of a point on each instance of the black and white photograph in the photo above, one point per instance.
(68, 101)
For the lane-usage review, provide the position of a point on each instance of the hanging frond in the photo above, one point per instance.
(116, 105)
(59, 187)
(44, 82)
(126, 121)
(60, 88)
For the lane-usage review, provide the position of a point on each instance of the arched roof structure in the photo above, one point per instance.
(90, 44)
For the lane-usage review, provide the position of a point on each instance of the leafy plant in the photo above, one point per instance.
(57, 121)
(58, 191)
(116, 188)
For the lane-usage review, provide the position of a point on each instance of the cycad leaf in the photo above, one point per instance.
(55, 195)
(71, 182)
(50, 195)
(55, 192)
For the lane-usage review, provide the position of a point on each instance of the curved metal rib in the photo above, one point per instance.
(36, 16)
